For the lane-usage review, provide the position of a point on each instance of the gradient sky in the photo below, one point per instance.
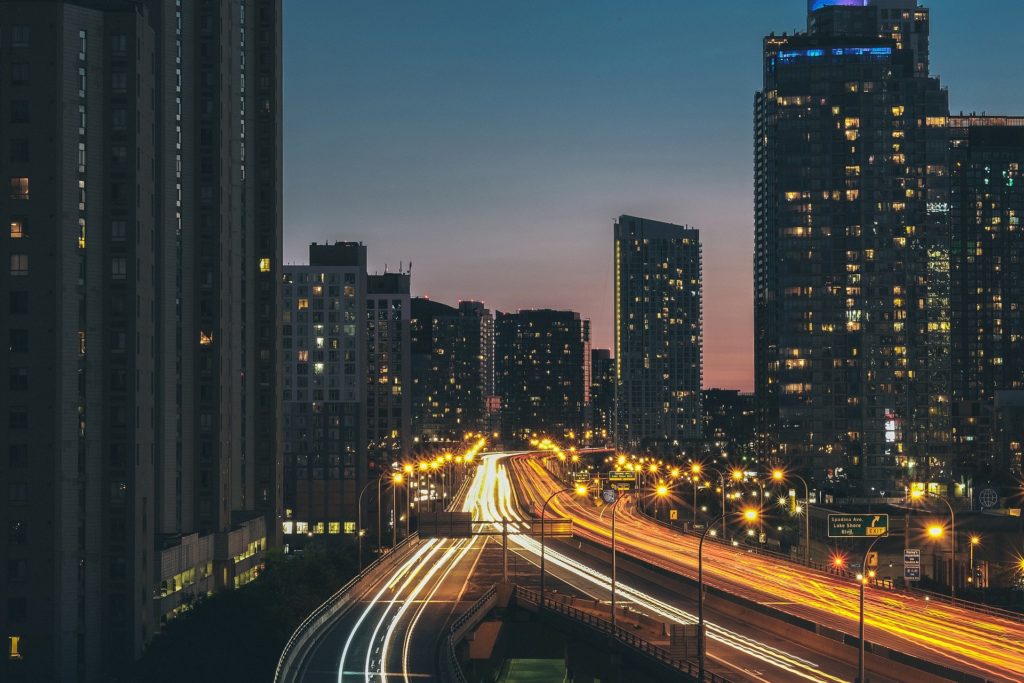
(493, 143)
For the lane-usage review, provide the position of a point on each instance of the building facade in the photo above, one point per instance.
(324, 351)
(987, 268)
(851, 265)
(602, 398)
(453, 369)
(144, 247)
(388, 370)
(658, 335)
(543, 357)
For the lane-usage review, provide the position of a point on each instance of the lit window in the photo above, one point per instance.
(318, 290)
(350, 527)
(81, 233)
(334, 527)
(302, 527)
(287, 527)
(17, 230)
(303, 355)
(205, 338)
(303, 304)
(19, 187)
(318, 368)
(318, 528)
(19, 265)
(264, 265)
(13, 647)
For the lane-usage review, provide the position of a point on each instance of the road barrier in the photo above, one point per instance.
(624, 637)
(451, 672)
(298, 645)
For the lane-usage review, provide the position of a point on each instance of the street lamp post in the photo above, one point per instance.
(915, 495)
(780, 476)
(750, 515)
(863, 579)
(614, 563)
(697, 468)
(975, 540)
(580, 489)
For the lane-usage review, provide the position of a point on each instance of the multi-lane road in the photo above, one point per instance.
(392, 632)
(976, 643)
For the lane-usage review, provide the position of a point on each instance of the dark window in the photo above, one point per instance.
(17, 570)
(19, 73)
(20, 36)
(18, 417)
(19, 111)
(119, 119)
(119, 44)
(19, 151)
(17, 609)
(119, 81)
(19, 303)
(19, 341)
(17, 532)
(19, 379)
(17, 456)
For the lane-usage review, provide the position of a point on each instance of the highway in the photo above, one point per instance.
(973, 642)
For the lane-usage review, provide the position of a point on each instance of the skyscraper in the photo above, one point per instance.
(388, 369)
(602, 397)
(657, 335)
(544, 365)
(141, 427)
(451, 386)
(986, 205)
(324, 351)
(851, 266)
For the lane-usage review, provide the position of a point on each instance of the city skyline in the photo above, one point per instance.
(482, 140)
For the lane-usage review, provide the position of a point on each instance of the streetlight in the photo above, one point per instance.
(750, 515)
(614, 563)
(779, 475)
(975, 540)
(359, 515)
(580, 490)
(697, 468)
(396, 479)
(918, 494)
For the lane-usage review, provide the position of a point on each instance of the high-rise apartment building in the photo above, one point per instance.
(388, 369)
(986, 205)
(851, 266)
(657, 335)
(602, 398)
(141, 422)
(453, 369)
(543, 361)
(324, 352)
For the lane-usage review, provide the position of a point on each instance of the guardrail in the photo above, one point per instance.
(627, 638)
(330, 608)
(458, 630)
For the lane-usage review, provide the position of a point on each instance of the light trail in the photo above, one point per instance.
(500, 505)
(930, 630)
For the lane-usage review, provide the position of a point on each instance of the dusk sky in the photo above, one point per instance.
(494, 143)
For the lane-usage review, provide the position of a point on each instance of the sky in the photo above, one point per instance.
(493, 143)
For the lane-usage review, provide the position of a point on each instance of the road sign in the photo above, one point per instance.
(450, 524)
(609, 495)
(988, 498)
(873, 560)
(912, 564)
(624, 475)
(858, 526)
(554, 528)
(582, 477)
(673, 514)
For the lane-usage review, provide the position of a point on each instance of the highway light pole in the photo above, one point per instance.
(751, 515)
(780, 476)
(580, 490)
(614, 568)
(863, 579)
(918, 494)
(697, 468)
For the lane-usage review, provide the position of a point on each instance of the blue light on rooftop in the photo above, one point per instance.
(814, 5)
(789, 56)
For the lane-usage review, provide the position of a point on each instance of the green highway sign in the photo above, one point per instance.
(621, 476)
(582, 477)
(858, 526)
